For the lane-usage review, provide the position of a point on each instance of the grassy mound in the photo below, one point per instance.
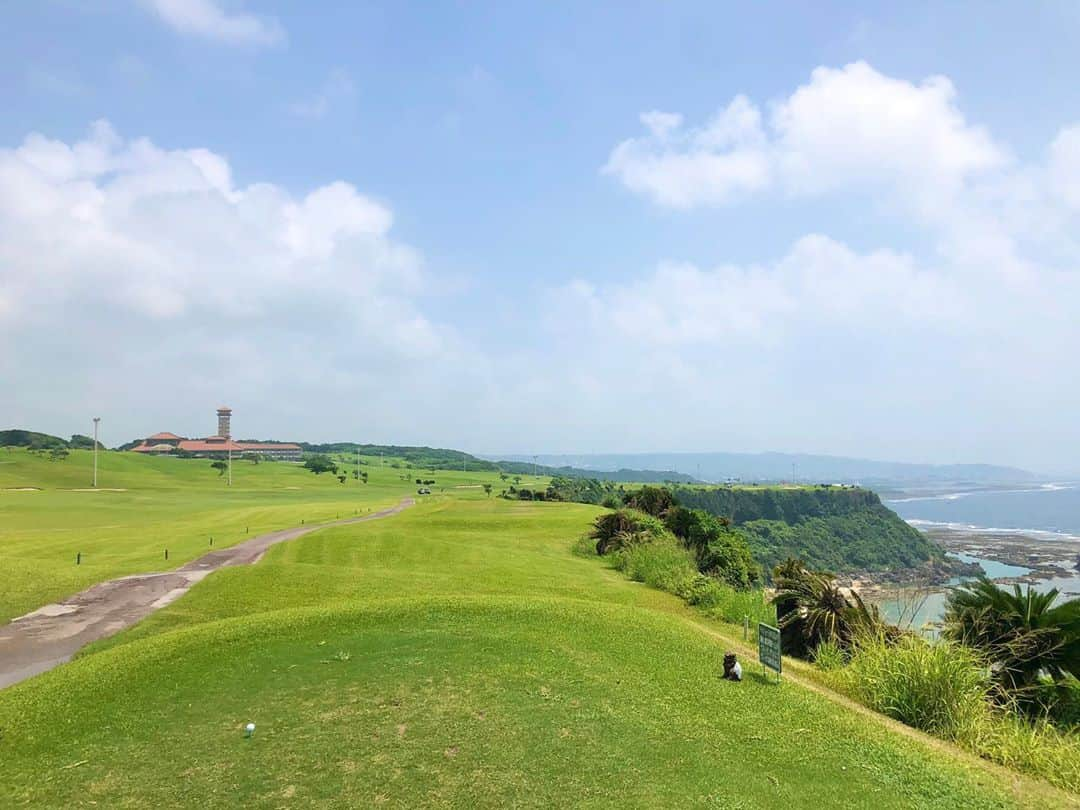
(466, 701)
(457, 654)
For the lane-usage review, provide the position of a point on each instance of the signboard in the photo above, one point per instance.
(768, 644)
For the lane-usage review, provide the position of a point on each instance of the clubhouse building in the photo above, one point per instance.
(218, 446)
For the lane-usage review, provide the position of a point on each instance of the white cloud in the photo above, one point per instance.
(846, 128)
(987, 314)
(207, 18)
(1064, 166)
(337, 88)
(149, 282)
(712, 164)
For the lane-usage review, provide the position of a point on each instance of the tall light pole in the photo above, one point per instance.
(358, 464)
(230, 461)
(97, 419)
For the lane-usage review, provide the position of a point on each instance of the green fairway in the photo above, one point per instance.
(457, 654)
(144, 506)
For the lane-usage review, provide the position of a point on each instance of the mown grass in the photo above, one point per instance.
(164, 503)
(465, 701)
(457, 654)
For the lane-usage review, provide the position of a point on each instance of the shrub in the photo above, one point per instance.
(655, 501)
(662, 564)
(720, 551)
(665, 564)
(611, 501)
(624, 527)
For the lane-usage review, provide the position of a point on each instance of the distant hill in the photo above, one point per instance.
(43, 441)
(789, 466)
(624, 476)
(439, 458)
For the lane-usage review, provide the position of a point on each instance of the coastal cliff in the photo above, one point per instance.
(840, 529)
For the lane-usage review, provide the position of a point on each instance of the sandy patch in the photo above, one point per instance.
(99, 489)
(22, 489)
(468, 486)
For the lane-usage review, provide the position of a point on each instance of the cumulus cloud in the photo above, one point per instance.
(712, 164)
(206, 18)
(985, 312)
(148, 276)
(845, 128)
(150, 282)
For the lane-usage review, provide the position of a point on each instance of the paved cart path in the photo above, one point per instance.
(52, 634)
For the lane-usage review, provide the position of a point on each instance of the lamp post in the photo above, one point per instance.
(97, 419)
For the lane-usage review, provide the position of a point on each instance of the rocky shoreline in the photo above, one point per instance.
(1045, 557)
(933, 573)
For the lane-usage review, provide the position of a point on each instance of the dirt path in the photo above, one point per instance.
(52, 634)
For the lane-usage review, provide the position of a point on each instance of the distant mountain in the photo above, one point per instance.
(789, 466)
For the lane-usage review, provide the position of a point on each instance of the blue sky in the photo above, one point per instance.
(496, 274)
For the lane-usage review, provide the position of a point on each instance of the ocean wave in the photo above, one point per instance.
(991, 530)
(954, 496)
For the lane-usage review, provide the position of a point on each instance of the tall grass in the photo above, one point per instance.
(667, 565)
(939, 688)
(829, 656)
(944, 689)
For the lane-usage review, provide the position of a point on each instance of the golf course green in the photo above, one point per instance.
(456, 654)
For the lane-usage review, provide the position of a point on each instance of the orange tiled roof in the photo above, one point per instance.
(202, 446)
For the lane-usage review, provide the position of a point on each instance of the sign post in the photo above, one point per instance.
(768, 639)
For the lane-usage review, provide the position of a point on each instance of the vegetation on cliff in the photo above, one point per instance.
(837, 529)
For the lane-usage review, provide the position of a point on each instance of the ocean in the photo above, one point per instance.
(1051, 511)
(1052, 508)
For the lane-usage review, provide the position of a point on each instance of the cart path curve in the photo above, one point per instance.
(51, 635)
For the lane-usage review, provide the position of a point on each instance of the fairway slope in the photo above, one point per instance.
(463, 701)
(50, 635)
(458, 654)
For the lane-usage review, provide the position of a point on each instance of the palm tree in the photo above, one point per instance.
(785, 577)
(1022, 633)
(812, 608)
(814, 603)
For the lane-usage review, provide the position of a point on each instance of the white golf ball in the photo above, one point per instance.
(250, 726)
